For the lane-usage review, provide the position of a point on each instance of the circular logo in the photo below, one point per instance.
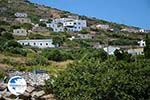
(17, 85)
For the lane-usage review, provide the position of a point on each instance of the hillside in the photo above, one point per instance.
(36, 12)
(68, 64)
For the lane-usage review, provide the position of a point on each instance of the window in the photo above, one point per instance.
(22, 43)
(46, 43)
(28, 43)
(41, 44)
(34, 43)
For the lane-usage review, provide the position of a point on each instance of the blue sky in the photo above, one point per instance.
(129, 12)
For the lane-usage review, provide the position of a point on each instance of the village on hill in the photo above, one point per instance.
(65, 56)
(76, 28)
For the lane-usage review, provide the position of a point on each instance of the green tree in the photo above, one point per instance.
(42, 24)
(84, 31)
(8, 36)
(13, 44)
(58, 40)
(109, 80)
(121, 55)
(26, 26)
(147, 47)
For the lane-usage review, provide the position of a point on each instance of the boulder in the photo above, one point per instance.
(30, 89)
(37, 94)
(3, 86)
(48, 97)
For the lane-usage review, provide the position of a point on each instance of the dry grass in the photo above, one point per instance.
(61, 64)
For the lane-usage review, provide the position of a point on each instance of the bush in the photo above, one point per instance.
(37, 36)
(123, 42)
(2, 43)
(26, 26)
(38, 60)
(8, 36)
(121, 55)
(84, 31)
(110, 80)
(16, 50)
(42, 24)
(13, 44)
(56, 55)
(2, 74)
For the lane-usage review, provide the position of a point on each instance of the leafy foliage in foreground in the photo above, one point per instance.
(110, 80)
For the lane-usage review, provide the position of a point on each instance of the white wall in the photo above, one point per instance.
(69, 24)
(45, 43)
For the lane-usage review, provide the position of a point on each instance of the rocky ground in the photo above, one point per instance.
(34, 89)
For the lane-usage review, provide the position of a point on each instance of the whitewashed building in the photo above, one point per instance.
(103, 26)
(111, 49)
(22, 15)
(130, 30)
(20, 32)
(43, 43)
(59, 25)
(23, 20)
(142, 43)
(43, 20)
(136, 51)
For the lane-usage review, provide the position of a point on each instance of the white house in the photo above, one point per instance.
(43, 20)
(110, 49)
(103, 26)
(130, 30)
(56, 27)
(20, 32)
(72, 38)
(136, 51)
(69, 24)
(142, 30)
(43, 43)
(142, 43)
(23, 20)
(18, 14)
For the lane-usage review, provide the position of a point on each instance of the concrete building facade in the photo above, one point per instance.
(62, 24)
(20, 32)
(41, 43)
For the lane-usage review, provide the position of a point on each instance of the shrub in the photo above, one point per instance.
(2, 43)
(13, 44)
(42, 24)
(121, 55)
(8, 36)
(26, 26)
(147, 47)
(2, 74)
(110, 80)
(38, 60)
(16, 50)
(55, 55)
(84, 31)
(123, 42)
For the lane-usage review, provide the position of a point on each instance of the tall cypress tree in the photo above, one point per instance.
(147, 47)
